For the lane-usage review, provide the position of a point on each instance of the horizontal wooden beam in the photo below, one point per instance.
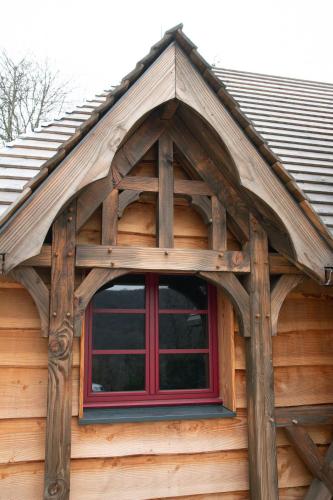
(181, 186)
(163, 259)
(277, 263)
(304, 415)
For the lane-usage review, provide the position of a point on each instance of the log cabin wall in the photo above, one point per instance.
(201, 459)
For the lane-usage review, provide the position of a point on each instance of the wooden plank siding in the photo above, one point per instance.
(301, 378)
(204, 459)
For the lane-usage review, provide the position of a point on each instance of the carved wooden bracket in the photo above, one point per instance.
(280, 291)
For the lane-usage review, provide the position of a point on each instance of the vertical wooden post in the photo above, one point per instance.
(259, 374)
(110, 218)
(165, 194)
(59, 397)
(218, 231)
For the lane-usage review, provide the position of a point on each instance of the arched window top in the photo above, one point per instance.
(151, 340)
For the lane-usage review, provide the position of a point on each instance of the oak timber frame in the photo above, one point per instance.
(219, 195)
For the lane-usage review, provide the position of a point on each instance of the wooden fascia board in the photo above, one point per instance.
(252, 170)
(90, 160)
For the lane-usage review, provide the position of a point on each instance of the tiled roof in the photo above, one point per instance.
(295, 119)
(290, 120)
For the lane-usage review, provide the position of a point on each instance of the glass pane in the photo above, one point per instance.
(182, 292)
(183, 331)
(118, 331)
(184, 371)
(127, 292)
(118, 372)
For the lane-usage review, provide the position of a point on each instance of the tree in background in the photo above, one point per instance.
(30, 93)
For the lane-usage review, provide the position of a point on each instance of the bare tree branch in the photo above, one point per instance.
(30, 92)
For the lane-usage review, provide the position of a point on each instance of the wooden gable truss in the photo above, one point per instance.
(232, 187)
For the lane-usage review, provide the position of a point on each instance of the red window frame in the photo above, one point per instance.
(152, 395)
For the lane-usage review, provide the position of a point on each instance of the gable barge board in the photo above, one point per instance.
(309, 250)
(89, 161)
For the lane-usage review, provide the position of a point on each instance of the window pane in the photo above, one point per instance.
(127, 292)
(118, 331)
(182, 292)
(183, 331)
(118, 372)
(184, 371)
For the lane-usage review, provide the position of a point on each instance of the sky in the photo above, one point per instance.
(95, 43)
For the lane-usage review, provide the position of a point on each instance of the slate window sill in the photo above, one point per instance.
(153, 414)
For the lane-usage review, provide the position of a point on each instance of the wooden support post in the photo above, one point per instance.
(259, 374)
(59, 397)
(219, 226)
(165, 195)
(110, 218)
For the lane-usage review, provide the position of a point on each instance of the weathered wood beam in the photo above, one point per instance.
(304, 415)
(31, 280)
(59, 398)
(278, 295)
(124, 160)
(163, 259)
(165, 192)
(126, 198)
(150, 184)
(318, 490)
(202, 205)
(277, 263)
(202, 163)
(89, 286)
(236, 293)
(110, 218)
(259, 374)
(309, 454)
(218, 233)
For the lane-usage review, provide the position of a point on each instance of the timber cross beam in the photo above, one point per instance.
(294, 420)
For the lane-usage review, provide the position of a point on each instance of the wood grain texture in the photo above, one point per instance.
(170, 476)
(318, 490)
(38, 291)
(309, 454)
(26, 348)
(23, 440)
(124, 160)
(254, 173)
(226, 349)
(202, 163)
(89, 161)
(278, 295)
(259, 368)
(236, 293)
(23, 392)
(89, 286)
(161, 259)
(110, 218)
(59, 393)
(218, 226)
(165, 194)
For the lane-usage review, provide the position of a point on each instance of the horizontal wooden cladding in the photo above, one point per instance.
(294, 386)
(17, 309)
(23, 392)
(284, 494)
(302, 348)
(170, 259)
(26, 348)
(22, 440)
(166, 476)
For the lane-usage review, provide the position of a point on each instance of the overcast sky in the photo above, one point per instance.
(96, 42)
